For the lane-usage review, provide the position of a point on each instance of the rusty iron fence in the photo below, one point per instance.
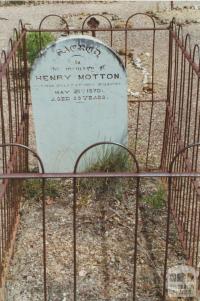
(177, 163)
(182, 129)
(14, 118)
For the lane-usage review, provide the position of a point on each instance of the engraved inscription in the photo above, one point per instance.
(74, 78)
(78, 48)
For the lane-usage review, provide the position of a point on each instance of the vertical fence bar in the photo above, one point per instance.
(136, 236)
(25, 70)
(152, 96)
(167, 236)
(74, 238)
(164, 162)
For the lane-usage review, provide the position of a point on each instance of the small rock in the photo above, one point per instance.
(147, 88)
(29, 278)
(147, 54)
(145, 79)
(135, 94)
(49, 200)
(82, 273)
(137, 63)
(131, 93)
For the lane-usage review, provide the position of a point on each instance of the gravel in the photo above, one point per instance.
(105, 246)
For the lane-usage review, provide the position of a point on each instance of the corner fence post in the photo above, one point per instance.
(166, 126)
(26, 95)
(44, 238)
(74, 234)
(167, 237)
(136, 236)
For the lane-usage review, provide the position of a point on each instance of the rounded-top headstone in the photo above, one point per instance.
(79, 97)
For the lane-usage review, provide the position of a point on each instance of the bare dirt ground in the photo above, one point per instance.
(105, 225)
(31, 14)
(105, 247)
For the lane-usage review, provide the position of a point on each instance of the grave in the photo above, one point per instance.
(79, 97)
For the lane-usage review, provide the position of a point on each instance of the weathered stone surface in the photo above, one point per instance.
(79, 97)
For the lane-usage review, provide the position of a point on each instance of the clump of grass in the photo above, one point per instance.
(33, 189)
(33, 43)
(14, 2)
(109, 159)
(157, 198)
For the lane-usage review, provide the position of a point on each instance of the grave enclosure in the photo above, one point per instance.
(163, 135)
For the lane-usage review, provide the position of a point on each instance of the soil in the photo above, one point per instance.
(105, 222)
(105, 245)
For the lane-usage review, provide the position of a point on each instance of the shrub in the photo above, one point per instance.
(33, 43)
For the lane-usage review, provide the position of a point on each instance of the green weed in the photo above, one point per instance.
(157, 198)
(33, 43)
(33, 189)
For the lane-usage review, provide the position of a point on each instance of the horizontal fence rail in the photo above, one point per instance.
(68, 175)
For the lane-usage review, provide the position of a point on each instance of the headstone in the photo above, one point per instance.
(79, 97)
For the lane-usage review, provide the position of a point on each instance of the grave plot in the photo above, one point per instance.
(105, 243)
(126, 209)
